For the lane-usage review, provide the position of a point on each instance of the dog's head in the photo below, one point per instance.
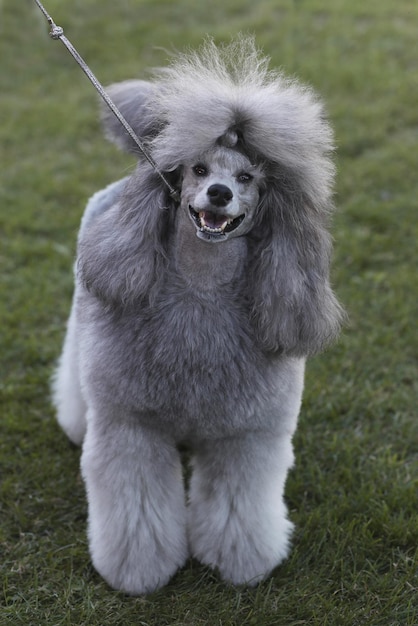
(249, 152)
(219, 188)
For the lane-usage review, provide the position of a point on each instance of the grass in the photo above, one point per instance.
(353, 491)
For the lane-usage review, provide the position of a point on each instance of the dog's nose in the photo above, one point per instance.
(219, 195)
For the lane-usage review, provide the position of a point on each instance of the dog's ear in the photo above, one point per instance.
(132, 98)
(294, 309)
(122, 243)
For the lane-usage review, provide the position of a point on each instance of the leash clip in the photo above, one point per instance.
(56, 32)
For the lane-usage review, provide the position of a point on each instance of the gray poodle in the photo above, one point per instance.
(192, 319)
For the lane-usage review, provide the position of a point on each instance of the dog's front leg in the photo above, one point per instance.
(237, 516)
(137, 515)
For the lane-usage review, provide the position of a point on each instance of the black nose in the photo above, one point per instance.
(219, 195)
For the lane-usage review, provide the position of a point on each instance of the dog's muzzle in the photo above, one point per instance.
(214, 226)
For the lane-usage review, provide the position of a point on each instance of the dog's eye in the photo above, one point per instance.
(200, 170)
(244, 177)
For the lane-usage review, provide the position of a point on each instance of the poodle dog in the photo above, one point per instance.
(192, 318)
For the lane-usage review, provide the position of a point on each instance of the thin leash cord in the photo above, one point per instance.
(57, 32)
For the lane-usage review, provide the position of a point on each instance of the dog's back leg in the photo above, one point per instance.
(67, 396)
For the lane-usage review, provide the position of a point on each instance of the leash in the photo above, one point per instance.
(57, 32)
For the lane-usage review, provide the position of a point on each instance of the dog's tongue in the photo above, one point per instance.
(212, 220)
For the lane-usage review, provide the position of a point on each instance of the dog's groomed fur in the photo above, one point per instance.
(191, 321)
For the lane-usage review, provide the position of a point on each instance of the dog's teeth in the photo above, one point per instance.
(208, 229)
(204, 227)
(202, 219)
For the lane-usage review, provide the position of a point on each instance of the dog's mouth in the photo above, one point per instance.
(213, 225)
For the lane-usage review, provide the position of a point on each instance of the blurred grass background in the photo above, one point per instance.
(353, 491)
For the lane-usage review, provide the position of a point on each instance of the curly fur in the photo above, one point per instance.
(187, 330)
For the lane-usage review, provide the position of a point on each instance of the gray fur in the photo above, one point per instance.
(185, 329)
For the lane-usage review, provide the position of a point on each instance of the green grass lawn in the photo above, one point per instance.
(353, 493)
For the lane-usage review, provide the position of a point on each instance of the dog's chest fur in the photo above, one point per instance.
(188, 359)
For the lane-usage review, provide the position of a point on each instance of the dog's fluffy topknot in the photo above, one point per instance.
(204, 94)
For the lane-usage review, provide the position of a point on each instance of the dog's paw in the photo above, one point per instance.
(242, 554)
(139, 569)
